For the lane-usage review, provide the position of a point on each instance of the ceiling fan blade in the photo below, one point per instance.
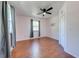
(48, 13)
(50, 8)
(41, 9)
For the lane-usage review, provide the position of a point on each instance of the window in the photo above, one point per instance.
(35, 25)
(35, 28)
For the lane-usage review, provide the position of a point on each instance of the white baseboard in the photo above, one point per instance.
(30, 38)
(71, 53)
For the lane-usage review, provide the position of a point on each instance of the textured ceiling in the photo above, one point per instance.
(32, 8)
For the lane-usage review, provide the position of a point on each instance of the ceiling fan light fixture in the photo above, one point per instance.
(44, 13)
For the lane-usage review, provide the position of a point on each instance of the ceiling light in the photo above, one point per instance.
(44, 13)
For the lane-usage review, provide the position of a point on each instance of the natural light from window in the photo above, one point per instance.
(35, 25)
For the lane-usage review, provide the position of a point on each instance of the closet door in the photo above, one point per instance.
(7, 29)
(3, 30)
(11, 27)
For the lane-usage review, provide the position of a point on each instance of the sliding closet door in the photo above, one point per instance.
(3, 31)
(11, 27)
(7, 30)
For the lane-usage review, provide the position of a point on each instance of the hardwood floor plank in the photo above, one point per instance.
(39, 48)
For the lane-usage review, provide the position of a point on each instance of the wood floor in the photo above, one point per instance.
(39, 48)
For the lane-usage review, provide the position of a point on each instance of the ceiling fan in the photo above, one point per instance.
(45, 11)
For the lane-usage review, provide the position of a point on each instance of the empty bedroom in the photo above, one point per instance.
(41, 29)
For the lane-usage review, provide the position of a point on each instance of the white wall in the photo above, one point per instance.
(73, 28)
(53, 30)
(43, 27)
(71, 17)
(62, 26)
(23, 27)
